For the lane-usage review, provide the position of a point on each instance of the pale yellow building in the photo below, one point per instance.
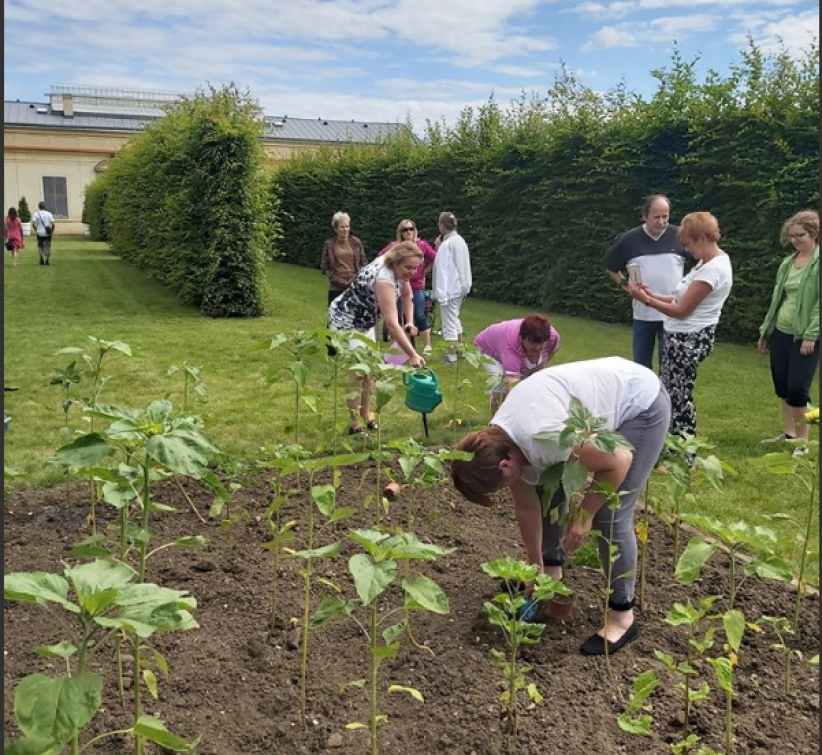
(52, 150)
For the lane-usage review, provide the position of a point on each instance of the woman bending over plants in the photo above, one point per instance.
(523, 441)
(375, 290)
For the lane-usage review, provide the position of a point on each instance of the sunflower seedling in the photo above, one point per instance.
(374, 570)
(633, 720)
(510, 612)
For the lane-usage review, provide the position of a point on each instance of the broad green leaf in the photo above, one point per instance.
(693, 559)
(37, 587)
(62, 649)
(370, 578)
(299, 372)
(341, 514)
(369, 539)
(416, 694)
(149, 608)
(383, 393)
(697, 695)
(772, 567)
(55, 708)
(161, 662)
(327, 551)
(534, 694)
(155, 731)
(87, 451)
(150, 679)
(181, 452)
(428, 594)
(99, 576)
(393, 633)
(644, 685)
(734, 623)
(574, 477)
(33, 746)
(724, 673)
(383, 652)
(330, 609)
(640, 725)
(668, 660)
(325, 497)
(190, 541)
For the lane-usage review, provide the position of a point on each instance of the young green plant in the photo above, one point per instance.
(52, 711)
(633, 719)
(506, 612)
(374, 570)
(700, 640)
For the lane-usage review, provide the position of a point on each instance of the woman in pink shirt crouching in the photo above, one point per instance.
(518, 348)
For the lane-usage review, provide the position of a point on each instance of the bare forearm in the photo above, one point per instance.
(398, 334)
(408, 307)
(529, 519)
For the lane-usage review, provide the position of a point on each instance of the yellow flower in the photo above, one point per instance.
(812, 416)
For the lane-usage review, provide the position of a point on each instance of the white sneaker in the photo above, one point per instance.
(427, 350)
(450, 358)
(797, 452)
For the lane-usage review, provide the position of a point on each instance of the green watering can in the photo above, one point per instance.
(422, 393)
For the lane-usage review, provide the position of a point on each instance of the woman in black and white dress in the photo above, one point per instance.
(373, 293)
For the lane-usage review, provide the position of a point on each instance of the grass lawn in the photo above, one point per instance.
(87, 291)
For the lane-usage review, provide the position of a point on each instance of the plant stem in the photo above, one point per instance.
(138, 740)
(643, 554)
(687, 681)
(297, 415)
(118, 642)
(729, 732)
(103, 736)
(372, 692)
(306, 610)
(336, 406)
(676, 530)
(732, 581)
(275, 572)
(188, 499)
(800, 588)
(513, 708)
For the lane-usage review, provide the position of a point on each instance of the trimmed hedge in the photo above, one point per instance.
(185, 202)
(543, 188)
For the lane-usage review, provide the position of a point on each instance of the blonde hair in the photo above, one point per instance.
(699, 225)
(476, 478)
(806, 219)
(402, 251)
(401, 224)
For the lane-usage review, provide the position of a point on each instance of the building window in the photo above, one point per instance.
(55, 195)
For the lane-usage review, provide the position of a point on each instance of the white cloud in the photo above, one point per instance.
(608, 37)
(796, 32)
(622, 8)
(678, 27)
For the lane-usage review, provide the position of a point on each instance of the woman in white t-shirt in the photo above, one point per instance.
(631, 400)
(375, 291)
(691, 315)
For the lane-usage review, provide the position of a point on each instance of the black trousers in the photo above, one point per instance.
(791, 372)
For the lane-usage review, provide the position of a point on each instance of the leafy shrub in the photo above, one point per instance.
(541, 189)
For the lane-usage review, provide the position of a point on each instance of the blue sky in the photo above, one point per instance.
(380, 60)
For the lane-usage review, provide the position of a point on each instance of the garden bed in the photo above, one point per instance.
(235, 680)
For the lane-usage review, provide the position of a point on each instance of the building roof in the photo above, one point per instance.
(44, 115)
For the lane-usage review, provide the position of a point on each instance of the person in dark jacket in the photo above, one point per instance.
(343, 256)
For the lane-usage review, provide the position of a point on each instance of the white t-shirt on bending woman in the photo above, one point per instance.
(718, 274)
(612, 388)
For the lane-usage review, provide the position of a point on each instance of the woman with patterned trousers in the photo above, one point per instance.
(691, 315)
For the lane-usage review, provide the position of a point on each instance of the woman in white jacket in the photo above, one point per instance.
(451, 280)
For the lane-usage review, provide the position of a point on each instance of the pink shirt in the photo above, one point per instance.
(428, 256)
(14, 232)
(501, 341)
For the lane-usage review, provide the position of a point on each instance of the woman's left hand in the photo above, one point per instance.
(411, 329)
(807, 347)
(577, 533)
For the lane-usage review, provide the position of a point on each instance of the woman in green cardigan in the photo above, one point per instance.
(790, 331)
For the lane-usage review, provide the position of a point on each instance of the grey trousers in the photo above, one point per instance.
(646, 433)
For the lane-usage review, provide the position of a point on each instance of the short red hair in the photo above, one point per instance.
(535, 328)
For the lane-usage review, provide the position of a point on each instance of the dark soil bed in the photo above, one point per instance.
(236, 683)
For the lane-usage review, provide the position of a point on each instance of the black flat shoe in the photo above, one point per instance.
(595, 645)
(356, 430)
(372, 425)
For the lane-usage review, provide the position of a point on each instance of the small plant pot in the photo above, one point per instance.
(392, 490)
(560, 607)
